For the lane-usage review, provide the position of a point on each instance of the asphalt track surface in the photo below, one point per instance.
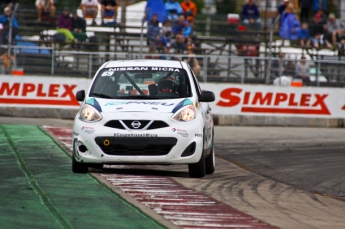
(285, 177)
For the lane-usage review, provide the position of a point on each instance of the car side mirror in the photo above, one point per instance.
(80, 95)
(207, 96)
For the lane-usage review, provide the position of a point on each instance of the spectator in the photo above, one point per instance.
(282, 7)
(64, 25)
(323, 17)
(341, 47)
(320, 40)
(109, 11)
(192, 60)
(304, 6)
(78, 27)
(181, 30)
(333, 26)
(152, 34)
(189, 10)
(5, 21)
(334, 38)
(173, 10)
(45, 8)
(250, 15)
(90, 9)
(316, 27)
(319, 4)
(303, 35)
(303, 70)
(290, 69)
(166, 36)
(290, 25)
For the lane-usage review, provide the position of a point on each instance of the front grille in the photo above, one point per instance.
(118, 125)
(136, 146)
(157, 125)
(128, 123)
(115, 124)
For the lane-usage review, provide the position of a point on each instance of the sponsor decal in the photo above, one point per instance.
(198, 135)
(88, 130)
(37, 94)
(144, 69)
(130, 135)
(180, 132)
(75, 133)
(274, 102)
(139, 102)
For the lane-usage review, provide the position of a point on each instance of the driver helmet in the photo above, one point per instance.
(167, 84)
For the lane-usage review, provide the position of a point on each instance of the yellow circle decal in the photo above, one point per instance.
(106, 142)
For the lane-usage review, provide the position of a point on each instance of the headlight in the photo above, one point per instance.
(89, 114)
(186, 113)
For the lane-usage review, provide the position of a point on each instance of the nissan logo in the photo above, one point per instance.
(136, 124)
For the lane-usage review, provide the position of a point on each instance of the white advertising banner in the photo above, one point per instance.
(235, 99)
(40, 91)
(231, 99)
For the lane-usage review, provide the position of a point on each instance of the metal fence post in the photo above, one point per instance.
(90, 66)
(205, 67)
(53, 62)
(243, 70)
(318, 69)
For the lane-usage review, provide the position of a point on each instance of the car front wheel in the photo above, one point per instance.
(210, 163)
(197, 170)
(78, 167)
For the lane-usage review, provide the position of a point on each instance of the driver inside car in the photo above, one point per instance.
(167, 85)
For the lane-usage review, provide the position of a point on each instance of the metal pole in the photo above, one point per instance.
(205, 67)
(268, 69)
(10, 38)
(90, 66)
(317, 73)
(53, 62)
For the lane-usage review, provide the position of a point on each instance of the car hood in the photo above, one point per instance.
(165, 106)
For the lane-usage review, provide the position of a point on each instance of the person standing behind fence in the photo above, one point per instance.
(45, 7)
(290, 25)
(89, 8)
(152, 34)
(78, 27)
(64, 25)
(189, 10)
(304, 6)
(250, 15)
(5, 21)
(303, 35)
(109, 10)
(302, 70)
(173, 10)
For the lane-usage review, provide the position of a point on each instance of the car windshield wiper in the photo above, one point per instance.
(99, 95)
(136, 97)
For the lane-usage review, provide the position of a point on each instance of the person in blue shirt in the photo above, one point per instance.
(250, 15)
(153, 31)
(303, 35)
(289, 25)
(5, 21)
(173, 10)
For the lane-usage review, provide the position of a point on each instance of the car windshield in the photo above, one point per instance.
(141, 83)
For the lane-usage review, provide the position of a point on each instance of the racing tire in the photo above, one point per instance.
(197, 170)
(210, 165)
(78, 167)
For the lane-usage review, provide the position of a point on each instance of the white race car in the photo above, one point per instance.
(144, 112)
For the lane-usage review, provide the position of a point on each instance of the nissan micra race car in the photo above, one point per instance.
(144, 112)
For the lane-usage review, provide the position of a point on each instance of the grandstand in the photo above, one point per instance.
(226, 54)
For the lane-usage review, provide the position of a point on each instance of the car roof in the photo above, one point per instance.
(143, 63)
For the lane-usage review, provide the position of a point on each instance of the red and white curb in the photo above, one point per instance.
(183, 207)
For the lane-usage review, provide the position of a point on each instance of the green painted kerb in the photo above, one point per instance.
(39, 190)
